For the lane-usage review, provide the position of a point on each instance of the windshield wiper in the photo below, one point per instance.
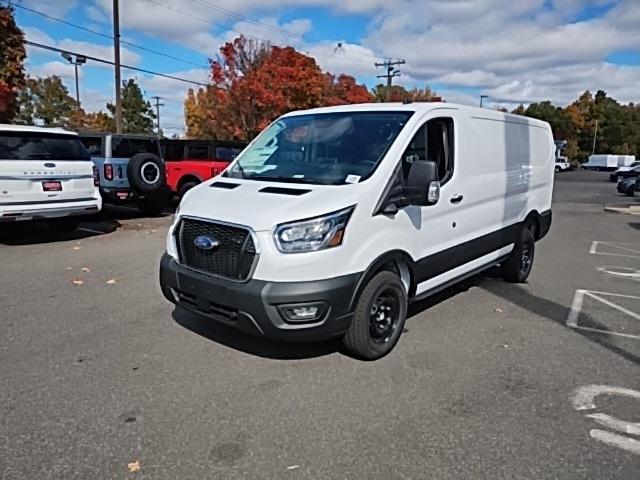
(277, 178)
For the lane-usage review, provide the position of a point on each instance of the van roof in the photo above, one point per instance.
(5, 127)
(421, 107)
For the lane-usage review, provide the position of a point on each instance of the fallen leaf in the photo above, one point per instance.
(85, 269)
(77, 248)
(77, 281)
(153, 231)
(111, 281)
(69, 269)
(499, 310)
(505, 346)
(134, 466)
(293, 467)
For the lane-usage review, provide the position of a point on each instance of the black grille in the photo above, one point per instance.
(233, 258)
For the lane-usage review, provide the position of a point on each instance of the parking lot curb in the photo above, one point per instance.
(628, 208)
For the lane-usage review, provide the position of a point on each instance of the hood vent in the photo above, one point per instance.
(224, 185)
(296, 192)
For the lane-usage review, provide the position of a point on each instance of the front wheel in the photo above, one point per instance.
(557, 169)
(379, 317)
(517, 267)
(184, 188)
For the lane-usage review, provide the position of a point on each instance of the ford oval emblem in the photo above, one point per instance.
(50, 165)
(206, 243)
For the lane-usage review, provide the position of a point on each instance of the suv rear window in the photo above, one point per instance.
(128, 147)
(41, 146)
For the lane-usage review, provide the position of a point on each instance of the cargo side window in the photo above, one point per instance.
(432, 142)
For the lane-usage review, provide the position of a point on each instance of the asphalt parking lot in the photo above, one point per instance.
(490, 380)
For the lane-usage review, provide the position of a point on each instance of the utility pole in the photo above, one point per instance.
(390, 65)
(116, 58)
(595, 136)
(158, 105)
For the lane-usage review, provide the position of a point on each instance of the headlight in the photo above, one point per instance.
(314, 234)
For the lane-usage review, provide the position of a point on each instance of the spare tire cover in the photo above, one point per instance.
(146, 172)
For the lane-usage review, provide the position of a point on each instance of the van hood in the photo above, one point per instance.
(263, 205)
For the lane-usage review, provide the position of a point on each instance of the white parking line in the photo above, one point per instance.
(624, 247)
(90, 230)
(576, 308)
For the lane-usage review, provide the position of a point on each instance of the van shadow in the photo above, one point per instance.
(557, 313)
(36, 232)
(253, 345)
(635, 225)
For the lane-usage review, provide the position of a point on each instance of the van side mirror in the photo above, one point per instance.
(423, 186)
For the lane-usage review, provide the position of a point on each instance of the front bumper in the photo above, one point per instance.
(252, 306)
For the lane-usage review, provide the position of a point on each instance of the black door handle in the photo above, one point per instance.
(456, 198)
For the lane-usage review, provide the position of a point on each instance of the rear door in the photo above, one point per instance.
(41, 167)
(122, 149)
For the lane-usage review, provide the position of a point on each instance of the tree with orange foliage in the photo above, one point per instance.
(254, 83)
(12, 55)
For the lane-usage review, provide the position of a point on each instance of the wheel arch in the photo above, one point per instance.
(187, 177)
(533, 218)
(397, 261)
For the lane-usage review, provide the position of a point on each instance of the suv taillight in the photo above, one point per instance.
(108, 171)
(96, 176)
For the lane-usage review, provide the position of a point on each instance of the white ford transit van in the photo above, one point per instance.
(46, 174)
(333, 219)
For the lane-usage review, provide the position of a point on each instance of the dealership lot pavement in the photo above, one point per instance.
(490, 380)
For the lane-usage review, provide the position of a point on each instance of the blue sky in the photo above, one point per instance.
(514, 52)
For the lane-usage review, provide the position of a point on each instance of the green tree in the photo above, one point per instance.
(137, 113)
(12, 54)
(46, 101)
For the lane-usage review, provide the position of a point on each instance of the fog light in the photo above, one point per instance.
(303, 312)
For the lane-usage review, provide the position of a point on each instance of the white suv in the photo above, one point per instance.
(45, 174)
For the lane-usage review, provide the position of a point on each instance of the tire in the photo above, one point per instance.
(146, 172)
(152, 206)
(372, 336)
(557, 169)
(65, 225)
(631, 191)
(186, 187)
(517, 267)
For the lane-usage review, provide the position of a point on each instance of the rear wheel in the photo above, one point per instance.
(557, 169)
(379, 317)
(517, 267)
(184, 188)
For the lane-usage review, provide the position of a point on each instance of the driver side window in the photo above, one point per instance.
(432, 142)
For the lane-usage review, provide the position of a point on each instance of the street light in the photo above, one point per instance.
(482, 97)
(79, 60)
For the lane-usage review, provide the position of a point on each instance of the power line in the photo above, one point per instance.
(110, 37)
(109, 62)
(240, 16)
(329, 54)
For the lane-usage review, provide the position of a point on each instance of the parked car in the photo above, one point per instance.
(131, 170)
(628, 186)
(190, 162)
(562, 165)
(333, 219)
(625, 172)
(46, 174)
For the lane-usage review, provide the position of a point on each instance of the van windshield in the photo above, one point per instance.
(327, 148)
(41, 146)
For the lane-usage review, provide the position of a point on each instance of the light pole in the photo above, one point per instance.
(75, 61)
(482, 97)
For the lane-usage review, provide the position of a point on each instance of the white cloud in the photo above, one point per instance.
(53, 8)
(61, 69)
